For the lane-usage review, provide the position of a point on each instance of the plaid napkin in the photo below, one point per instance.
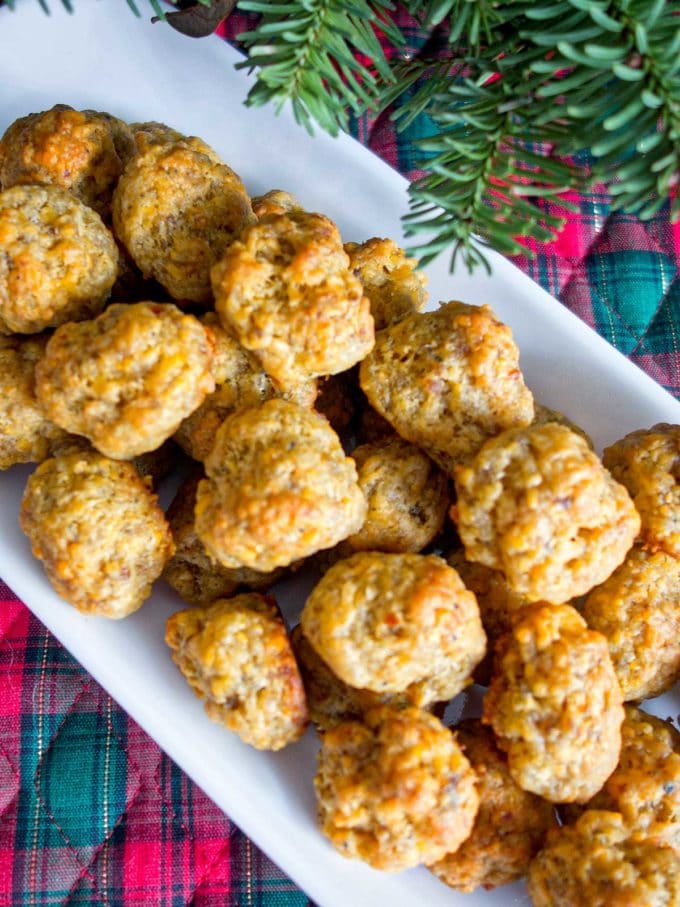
(91, 811)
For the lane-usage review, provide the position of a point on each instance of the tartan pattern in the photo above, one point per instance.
(91, 811)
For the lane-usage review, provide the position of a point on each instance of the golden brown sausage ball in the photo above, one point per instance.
(391, 281)
(154, 133)
(279, 488)
(127, 379)
(59, 261)
(152, 466)
(190, 571)
(396, 623)
(595, 863)
(330, 699)
(555, 705)
(236, 656)
(395, 790)
(241, 384)
(276, 201)
(407, 497)
(510, 827)
(499, 606)
(26, 435)
(645, 786)
(544, 414)
(81, 151)
(647, 462)
(176, 209)
(447, 380)
(226, 349)
(638, 611)
(537, 504)
(98, 530)
(285, 289)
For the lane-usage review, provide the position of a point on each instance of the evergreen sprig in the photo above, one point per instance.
(518, 93)
(483, 168)
(537, 86)
(323, 56)
(471, 23)
(622, 94)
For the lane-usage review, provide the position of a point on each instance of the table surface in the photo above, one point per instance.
(91, 811)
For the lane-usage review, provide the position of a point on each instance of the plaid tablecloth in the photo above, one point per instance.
(91, 811)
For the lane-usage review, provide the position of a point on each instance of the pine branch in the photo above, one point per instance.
(569, 75)
(524, 86)
(312, 53)
(483, 168)
(622, 93)
(471, 23)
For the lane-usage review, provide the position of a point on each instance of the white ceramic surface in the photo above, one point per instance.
(104, 58)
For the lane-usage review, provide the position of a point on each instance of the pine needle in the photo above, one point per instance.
(521, 92)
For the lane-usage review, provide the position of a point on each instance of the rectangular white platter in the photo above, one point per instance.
(104, 58)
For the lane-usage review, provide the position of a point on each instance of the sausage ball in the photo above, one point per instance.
(127, 379)
(276, 201)
(638, 612)
(538, 505)
(58, 260)
(285, 289)
(396, 623)
(647, 462)
(394, 790)
(499, 606)
(152, 466)
(98, 530)
(279, 488)
(26, 435)
(330, 699)
(555, 705)
(407, 497)
(154, 133)
(390, 280)
(448, 380)
(81, 151)
(190, 571)
(596, 863)
(241, 384)
(236, 656)
(645, 786)
(176, 209)
(544, 414)
(510, 827)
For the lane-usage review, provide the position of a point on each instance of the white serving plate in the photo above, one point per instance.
(104, 58)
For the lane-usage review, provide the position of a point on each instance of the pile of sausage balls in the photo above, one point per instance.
(150, 311)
